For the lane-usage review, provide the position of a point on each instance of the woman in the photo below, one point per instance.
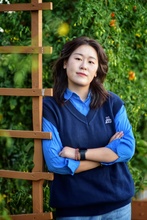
(91, 141)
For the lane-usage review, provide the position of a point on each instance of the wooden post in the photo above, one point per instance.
(36, 25)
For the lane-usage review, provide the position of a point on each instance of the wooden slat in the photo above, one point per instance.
(35, 176)
(25, 92)
(34, 216)
(26, 6)
(26, 49)
(25, 134)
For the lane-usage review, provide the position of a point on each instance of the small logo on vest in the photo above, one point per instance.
(108, 120)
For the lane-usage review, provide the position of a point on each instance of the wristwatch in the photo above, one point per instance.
(82, 154)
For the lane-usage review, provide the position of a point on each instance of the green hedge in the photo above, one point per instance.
(120, 26)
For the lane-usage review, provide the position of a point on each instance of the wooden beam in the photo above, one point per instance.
(25, 134)
(34, 176)
(26, 49)
(26, 6)
(35, 216)
(25, 92)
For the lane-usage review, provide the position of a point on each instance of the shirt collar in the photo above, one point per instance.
(69, 94)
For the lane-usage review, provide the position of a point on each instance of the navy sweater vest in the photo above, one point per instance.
(99, 190)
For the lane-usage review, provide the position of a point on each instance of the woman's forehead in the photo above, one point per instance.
(86, 50)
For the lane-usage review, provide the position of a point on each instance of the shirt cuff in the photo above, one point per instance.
(73, 165)
(113, 146)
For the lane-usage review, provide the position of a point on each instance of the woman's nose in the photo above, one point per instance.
(83, 65)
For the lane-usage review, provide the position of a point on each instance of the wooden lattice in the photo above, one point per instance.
(37, 176)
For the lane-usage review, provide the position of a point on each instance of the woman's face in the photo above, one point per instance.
(81, 67)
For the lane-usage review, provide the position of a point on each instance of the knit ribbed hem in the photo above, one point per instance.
(94, 210)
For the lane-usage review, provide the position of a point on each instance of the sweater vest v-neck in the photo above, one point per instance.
(99, 190)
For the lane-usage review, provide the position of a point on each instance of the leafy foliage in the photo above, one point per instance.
(120, 26)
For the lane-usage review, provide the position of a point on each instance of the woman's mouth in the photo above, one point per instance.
(81, 74)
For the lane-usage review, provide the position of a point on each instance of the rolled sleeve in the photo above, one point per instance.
(125, 146)
(51, 149)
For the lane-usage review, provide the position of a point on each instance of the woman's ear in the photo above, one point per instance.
(96, 74)
(64, 64)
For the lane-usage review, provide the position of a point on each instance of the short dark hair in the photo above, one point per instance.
(99, 94)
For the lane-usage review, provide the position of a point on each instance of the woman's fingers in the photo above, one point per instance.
(117, 135)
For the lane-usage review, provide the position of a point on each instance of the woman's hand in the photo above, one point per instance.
(117, 135)
(68, 152)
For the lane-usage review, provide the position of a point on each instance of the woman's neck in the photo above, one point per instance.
(81, 92)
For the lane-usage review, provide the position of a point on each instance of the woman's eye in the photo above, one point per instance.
(77, 58)
(91, 62)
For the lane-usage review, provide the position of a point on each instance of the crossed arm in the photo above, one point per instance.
(93, 156)
(61, 159)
